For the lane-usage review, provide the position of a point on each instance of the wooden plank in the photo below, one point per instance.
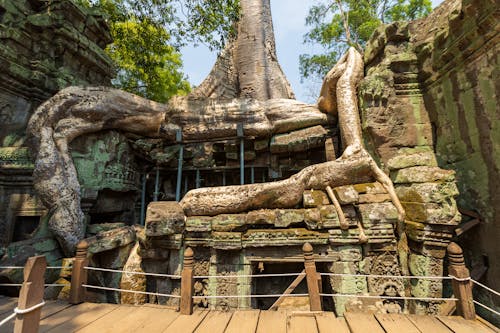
(244, 321)
(301, 324)
(215, 322)
(187, 323)
(272, 321)
(459, 325)
(428, 324)
(110, 322)
(360, 322)
(138, 317)
(289, 290)
(396, 323)
(327, 322)
(158, 323)
(75, 317)
(7, 304)
(52, 307)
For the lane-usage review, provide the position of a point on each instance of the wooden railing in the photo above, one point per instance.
(31, 295)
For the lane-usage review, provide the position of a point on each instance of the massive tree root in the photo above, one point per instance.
(77, 111)
(354, 166)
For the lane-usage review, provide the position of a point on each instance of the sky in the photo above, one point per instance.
(289, 29)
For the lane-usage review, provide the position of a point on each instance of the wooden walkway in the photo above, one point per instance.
(103, 318)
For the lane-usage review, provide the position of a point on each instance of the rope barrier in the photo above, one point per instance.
(130, 272)
(22, 267)
(22, 311)
(130, 291)
(389, 276)
(487, 307)
(393, 297)
(245, 276)
(486, 287)
(253, 296)
(465, 279)
(45, 285)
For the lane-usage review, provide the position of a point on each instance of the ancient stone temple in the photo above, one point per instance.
(244, 174)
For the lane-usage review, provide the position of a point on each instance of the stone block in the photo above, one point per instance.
(300, 140)
(369, 188)
(425, 266)
(101, 227)
(261, 216)
(164, 218)
(373, 198)
(422, 174)
(442, 213)
(227, 222)
(288, 217)
(199, 224)
(282, 237)
(112, 239)
(375, 213)
(261, 145)
(314, 198)
(346, 194)
(130, 281)
(409, 157)
(436, 192)
(226, 240)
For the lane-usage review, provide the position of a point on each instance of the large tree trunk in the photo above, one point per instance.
(248, 66)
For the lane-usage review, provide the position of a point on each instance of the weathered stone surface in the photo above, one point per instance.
(94, 229)
(373, 198)
(288, 217)
(261, 216)
(346, 284)
(228, 222)
(314, 198)
(301, 140)
(377, 213)
(326, 217)
(346, 194)
(422, 174)
(130, 281)
(444, 213)
(410, 157)
(430, 234)
(164, 218)
(437, 192)
(226, 240)
(199, 224)
(282, 237)
(111, 239)
(426, 266)
(381, 233)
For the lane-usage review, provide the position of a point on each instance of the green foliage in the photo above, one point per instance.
(147, 36)
(338, 24)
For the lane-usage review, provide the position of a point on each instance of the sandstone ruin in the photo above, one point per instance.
(243, 173)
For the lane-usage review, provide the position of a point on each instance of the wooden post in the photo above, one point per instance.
(79, 274)
(30, 295)
(461, 289)
(311, 278)
(187, 283)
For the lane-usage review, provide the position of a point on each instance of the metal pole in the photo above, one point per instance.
(224, 178)
(239, 131)
(252, 175)
(143, 197)
(198, 180)
(157, 184)
(178, 139)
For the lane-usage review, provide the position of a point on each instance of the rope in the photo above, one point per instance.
(390, 276)
(465, 279)
(393, 297)
(486, 287)
(22, 267)
(487, 308)
(130, 291)
(130, 272)
(22, 311)
(245, 276)
(253, 296)
(45, 285)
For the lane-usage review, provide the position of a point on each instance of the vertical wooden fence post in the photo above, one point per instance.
(461, 289)
(30, 295)
(187, 283)
(79, 274)
(313, 285)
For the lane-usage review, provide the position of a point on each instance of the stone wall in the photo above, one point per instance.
(459, 66)
(45, 46)
(430, 112)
